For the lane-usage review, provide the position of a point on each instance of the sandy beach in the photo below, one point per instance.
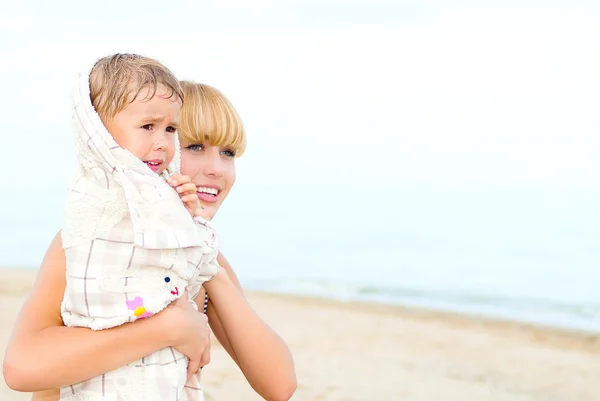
(352, 351)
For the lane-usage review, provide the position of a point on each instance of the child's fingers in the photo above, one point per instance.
(173, 179)
(178, 179)
(190, 197)
(189, 187)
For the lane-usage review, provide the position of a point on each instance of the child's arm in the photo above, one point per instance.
(43, 354)
(260, 353)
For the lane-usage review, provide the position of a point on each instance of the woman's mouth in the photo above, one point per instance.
(207, 194)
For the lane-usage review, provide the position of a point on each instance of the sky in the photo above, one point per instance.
(333, 93)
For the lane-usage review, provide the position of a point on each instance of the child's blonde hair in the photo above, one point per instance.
(208, 117)
(116, 81)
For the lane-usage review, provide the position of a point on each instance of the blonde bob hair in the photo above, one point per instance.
(208, 117)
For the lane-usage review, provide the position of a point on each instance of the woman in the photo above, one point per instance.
(43, 355)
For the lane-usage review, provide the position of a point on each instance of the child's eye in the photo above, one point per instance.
(196, 147)
(172, 130)
(147, 127)
(228, 152)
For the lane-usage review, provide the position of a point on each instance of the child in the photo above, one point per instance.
(131, 246)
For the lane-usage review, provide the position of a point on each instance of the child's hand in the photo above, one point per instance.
(187, 192)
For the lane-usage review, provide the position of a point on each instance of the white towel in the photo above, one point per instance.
(112, 182)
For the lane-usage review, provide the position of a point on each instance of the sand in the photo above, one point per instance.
(353, 351)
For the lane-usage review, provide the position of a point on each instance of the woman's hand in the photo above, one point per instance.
(187, 192)
(190, 334)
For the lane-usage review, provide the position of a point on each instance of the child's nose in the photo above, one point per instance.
(162, 142)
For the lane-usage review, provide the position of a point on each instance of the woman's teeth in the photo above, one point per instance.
(211, 191)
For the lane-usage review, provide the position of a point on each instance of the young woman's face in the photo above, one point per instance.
(212, 170)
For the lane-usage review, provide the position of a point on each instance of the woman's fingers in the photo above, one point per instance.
(205, 359)
(193, 367)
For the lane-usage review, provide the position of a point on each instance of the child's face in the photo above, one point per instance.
(147, 128)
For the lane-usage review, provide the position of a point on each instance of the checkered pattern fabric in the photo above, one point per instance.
(131, 249)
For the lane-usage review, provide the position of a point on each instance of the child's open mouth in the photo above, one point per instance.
(154, 165)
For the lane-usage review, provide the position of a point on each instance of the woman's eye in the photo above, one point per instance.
(228, 152)
(196, 147)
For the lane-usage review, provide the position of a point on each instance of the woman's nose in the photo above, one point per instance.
(214, 164)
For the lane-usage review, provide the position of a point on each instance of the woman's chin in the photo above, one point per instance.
(209, 211)
(210, 204)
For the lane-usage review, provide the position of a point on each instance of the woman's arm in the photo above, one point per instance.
(43, 354)
(47, 395)
(260, 353)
